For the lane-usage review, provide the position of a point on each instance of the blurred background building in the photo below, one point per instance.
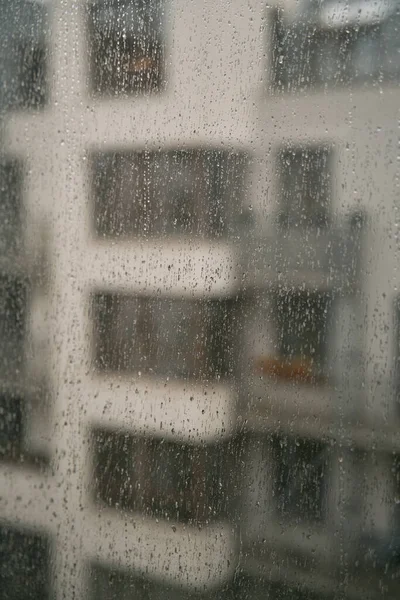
(199, 299)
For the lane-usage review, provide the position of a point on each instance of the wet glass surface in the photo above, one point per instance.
(199, 300)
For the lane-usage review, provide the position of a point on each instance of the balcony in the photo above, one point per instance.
(180, 555)
(294, 401)
(189, 412)
(323, 258)
(364, 43)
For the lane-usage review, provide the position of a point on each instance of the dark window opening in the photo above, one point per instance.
(160, 478)
(182, 192)
(255, 587)
(13, 300)
(110, 584)
(396, 501)
(126, 47)
(24, 55)
(378, 553)
(302, 322)
(24, 565)
(32, 88)
(165, 337)
(11, 426)
(305, 184)
(329, 48)
(10, 205)
(301, 470)
(396, 369)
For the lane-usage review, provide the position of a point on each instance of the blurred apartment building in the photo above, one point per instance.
(200, 339)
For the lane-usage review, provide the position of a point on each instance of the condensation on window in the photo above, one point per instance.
(199, 300)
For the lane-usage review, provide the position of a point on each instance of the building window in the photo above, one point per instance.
(11, 426)
(301, 331)
(10, 205)
(126, 46)
(396, 503)
(166, 337)
(301, 319)
(157, 477)
(24, 60)
(32, 83)
(181, 192)
(259, 587)
(13, 299)
(301, 469)
(396, 353)
(24, 565)
(335, 44)
(305, 184)
(111, 583)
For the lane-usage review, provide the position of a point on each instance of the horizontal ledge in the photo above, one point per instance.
(285, 395)
(171, 409)
(292, 279)
(301, 538)
(28, 499)
(324, 424)
(315, 580)
(175, 267)
(193, 557)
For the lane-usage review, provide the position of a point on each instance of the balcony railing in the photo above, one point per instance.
(324, 258)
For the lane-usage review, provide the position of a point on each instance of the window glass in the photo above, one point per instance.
(23, 36)
(182, 192)
(302, 323)
(11, 430)
(305, 185)
(24, 564)
(13, 301)
(396, 366)
(300, 469)
(126, 46)
(335, 44)
(169, 480)
(10, 205)
(199, 299)
(146, 335)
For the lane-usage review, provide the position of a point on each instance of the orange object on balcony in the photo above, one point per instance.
(300, 369)
(140, 64)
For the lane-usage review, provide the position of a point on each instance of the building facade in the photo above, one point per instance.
(200, 305)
